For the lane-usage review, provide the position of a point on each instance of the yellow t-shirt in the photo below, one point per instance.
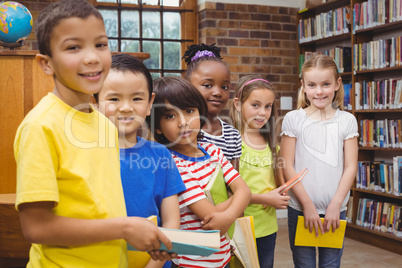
(71, 158)
(256, 170)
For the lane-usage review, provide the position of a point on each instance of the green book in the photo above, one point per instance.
(217, 192)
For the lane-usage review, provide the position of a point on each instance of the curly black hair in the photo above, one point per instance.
(193, 49)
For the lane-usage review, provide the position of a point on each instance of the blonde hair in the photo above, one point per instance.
(320, 62)
(244, 87)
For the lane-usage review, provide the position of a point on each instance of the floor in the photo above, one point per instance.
(355, 254)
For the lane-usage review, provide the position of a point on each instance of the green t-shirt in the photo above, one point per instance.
(257, 171)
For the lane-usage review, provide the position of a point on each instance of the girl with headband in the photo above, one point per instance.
(322, 137)
(253, 113)
(211, 76)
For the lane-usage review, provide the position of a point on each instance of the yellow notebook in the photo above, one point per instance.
(327, 240)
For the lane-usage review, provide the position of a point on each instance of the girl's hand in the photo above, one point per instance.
(218, 221)
(312, 220)
(332, 218)
(275, 199)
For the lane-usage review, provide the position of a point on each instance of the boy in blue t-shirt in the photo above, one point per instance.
(149, 175)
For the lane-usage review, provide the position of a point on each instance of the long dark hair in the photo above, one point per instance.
(179, 93)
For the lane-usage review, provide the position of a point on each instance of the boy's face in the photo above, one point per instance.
(80, 58)
(125, 100)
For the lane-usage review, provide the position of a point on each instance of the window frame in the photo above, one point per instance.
(189, 28)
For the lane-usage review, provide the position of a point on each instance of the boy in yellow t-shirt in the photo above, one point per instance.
(69, 192)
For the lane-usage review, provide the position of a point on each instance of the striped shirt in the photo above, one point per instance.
(229, 142)
(196, 173)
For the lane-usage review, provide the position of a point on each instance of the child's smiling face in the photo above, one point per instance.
(212, 79)
(257, 108)
(125, 100)
(80, 58)
(320, 86)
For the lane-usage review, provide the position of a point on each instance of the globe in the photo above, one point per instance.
(15, 24)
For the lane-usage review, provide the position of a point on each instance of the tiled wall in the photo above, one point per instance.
(254, 39)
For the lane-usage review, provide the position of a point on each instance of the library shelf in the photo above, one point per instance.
(383, 240)
(396, 25)
(380, 70)
(326, 40)
(380, 149)
(371, 111)
(376, 193)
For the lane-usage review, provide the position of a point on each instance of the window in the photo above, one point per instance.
(151, 26)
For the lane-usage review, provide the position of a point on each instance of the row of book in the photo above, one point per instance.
(377, 54)
(380, 176)
(381, 133)
(326, 24)
(378, 94)
(341, 55)
(376, 12)
(380, 216)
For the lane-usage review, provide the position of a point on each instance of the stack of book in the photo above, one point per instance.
(326, 24)
(380, 216)
(380, 176)
(376, 12)
(381, 133)
(378, 94)
(377, 54)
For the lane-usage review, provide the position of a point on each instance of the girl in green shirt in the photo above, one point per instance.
(251, 112)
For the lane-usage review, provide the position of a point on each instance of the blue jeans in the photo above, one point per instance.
(266, 250)
(305, 257)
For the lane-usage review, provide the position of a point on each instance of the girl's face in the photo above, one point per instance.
(320, 86)
(125, 100)
(257, 108)
(180, 127)
(212, 79)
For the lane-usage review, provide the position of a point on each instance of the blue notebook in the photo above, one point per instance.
(187, 242)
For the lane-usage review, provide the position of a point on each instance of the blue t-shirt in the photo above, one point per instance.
(148, 174)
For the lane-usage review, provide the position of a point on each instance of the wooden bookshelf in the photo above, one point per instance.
(382, 239)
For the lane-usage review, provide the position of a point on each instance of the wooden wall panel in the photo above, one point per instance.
(12, 113)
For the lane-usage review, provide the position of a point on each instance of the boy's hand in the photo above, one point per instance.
(218, 221)
(145, 236)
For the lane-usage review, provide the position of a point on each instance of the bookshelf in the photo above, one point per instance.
(370, 77)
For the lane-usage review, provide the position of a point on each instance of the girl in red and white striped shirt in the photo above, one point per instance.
(179, 111)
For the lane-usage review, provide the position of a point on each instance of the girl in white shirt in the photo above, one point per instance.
(322, 137)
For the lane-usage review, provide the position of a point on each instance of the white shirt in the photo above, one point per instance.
(319, 147)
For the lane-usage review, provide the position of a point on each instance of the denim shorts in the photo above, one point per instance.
(305, 257)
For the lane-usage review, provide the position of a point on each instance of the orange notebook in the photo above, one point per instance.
(295, 180)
